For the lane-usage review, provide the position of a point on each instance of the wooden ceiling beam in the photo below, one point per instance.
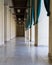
(19, 14)
(19, 7)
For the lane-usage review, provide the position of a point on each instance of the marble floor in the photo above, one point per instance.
(16, 52)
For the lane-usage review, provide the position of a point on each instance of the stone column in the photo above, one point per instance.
(36, 35)
(7, 23)
(30, 34)
(50, 31)
(1, 22)
(30, 20)
(36, 26)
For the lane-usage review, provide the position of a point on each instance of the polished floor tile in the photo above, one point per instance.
(16, 52)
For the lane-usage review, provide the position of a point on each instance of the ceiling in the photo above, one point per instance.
(8, 2)
(20, 8)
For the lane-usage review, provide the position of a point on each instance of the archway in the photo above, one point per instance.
(43, 26)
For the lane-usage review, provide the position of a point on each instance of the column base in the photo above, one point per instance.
(30, 40)
(36, 45)
(50, 56)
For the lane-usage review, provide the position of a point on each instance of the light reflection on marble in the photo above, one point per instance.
(16, 52)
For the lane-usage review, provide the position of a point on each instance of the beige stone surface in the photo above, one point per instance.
(1, 22)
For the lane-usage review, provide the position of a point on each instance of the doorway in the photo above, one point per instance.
(20, 32)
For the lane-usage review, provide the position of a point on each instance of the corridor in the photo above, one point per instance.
(25, 32)
(16, 52)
